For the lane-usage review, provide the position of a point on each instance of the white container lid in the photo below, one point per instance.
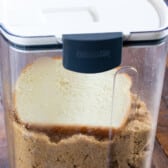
(43, 22)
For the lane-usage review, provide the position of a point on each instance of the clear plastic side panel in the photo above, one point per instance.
(58, 118)
(149, 63)
(3, 140)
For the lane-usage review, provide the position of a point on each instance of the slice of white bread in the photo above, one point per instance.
(48, 94)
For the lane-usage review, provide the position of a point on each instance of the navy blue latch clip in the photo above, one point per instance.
(92, 53)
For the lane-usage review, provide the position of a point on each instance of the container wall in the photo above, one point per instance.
(3, 138)
(85, 141)
(3, 143)
(149, 61)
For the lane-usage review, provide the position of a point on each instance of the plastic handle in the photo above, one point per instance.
(92, 53)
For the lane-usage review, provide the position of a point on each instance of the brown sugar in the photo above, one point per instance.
(128, 148)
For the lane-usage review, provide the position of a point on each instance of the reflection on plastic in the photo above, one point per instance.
(132, 73)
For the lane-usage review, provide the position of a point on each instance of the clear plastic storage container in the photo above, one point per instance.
(82, 81)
